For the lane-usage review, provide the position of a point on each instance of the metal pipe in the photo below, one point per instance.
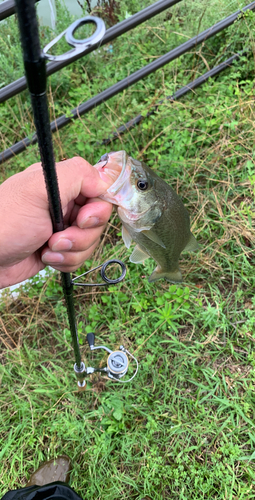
(147, 70)
(112, 33)
(126, 82)
(7, 8)
(179, 93)
(21, 145)
(34, 65)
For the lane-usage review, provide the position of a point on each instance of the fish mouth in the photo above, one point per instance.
(126, 215)
(114, 167)
(121, 158)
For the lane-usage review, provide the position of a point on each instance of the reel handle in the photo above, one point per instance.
(91, 339)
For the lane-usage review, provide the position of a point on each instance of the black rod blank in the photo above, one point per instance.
(112, 33)
(36, 79)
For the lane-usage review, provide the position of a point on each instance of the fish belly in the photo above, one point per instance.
(175, 235)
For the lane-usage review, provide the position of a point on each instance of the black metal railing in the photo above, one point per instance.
(119, 29)
(7, 8)
(19, 85)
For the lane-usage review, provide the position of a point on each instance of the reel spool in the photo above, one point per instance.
(117, 361)
(117, 364)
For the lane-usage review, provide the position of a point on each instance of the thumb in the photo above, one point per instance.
(76, 176)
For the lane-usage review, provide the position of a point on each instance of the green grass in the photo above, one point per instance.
(184, 427)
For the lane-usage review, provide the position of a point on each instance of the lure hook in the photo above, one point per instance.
(105, 158)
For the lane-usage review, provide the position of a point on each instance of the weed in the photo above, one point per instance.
(184, 427)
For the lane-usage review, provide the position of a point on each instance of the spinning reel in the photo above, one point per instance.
(117, 361)
(116, 365)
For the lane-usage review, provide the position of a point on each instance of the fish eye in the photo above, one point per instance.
(142, 185)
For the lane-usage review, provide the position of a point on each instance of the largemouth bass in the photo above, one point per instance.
(152, 214)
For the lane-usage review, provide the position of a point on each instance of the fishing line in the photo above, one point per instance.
(35, 69)
(52, 15)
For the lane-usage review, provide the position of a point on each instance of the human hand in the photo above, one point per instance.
(27, 242)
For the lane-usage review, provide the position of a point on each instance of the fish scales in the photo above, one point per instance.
(151, 212)
(172, 227)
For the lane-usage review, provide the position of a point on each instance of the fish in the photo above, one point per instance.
(151, 212)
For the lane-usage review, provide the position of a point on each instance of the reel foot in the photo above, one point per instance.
(82, 386)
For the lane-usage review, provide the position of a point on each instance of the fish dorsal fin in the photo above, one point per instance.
(126, 236)
(153, 237)
(192, 244)
(138, 255)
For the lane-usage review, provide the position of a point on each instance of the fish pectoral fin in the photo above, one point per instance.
(152, 235)
(138, 255)
(173, 276)
(192, 244)
(126, 236)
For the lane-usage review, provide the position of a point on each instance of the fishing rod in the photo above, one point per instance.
(35, 70)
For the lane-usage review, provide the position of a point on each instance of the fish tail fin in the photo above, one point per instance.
(173, 276)
(192, 244)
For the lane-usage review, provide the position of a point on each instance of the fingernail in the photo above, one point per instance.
(89, 222)
(52, 258)
(62, 244)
